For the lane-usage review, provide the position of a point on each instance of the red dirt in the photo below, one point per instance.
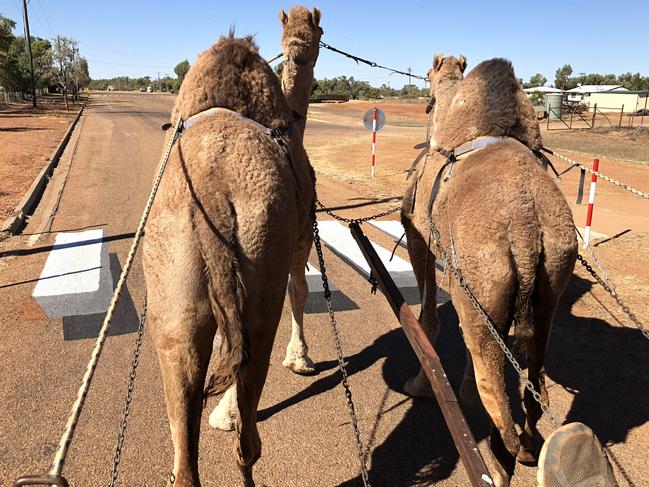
(27, 143)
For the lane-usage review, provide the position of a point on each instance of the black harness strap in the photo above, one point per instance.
(438, 182)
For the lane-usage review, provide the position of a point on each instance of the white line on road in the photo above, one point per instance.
(76, 279)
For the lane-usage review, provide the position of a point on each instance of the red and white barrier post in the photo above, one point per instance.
(591, 202)
(373, 140)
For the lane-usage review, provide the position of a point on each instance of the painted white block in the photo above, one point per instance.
(314, 280)
(339, 239)
(395, 229)
(76, 279)
(593, 235)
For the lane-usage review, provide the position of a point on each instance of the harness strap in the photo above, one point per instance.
(438, 182)
(475, 144)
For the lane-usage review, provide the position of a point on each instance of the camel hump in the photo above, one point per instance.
(231, 74)
(489, 102)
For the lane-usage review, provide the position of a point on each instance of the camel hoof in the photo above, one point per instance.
(527, 458)
(415, 387)
(221, 418)
(300, 365)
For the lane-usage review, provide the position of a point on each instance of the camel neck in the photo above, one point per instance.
(297, 81)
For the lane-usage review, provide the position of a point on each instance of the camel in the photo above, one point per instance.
(222, 237)
(300, 47)
(511, 231)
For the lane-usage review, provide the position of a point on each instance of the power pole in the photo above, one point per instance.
(409, 84)
(29, 50)
(159, 81)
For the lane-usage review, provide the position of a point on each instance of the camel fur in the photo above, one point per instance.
(512, 233)
(220, 242)
(300, 47)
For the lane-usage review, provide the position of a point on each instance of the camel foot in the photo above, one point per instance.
(302, 365)
(527, 457)
(418, 386)
(224, 416)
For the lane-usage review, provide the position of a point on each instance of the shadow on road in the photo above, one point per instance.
(604, 367)
(125, 317)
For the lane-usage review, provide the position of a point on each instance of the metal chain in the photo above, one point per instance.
(598, 174)
(359, 221)
(339, 350)
(455, 270)
(611, 290)
(129, 396)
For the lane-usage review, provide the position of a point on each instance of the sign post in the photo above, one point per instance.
(374, 120)
(591, 203)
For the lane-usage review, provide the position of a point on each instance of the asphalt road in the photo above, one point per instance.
(303, 421)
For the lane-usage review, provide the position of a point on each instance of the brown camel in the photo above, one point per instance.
(220, 243)
(300, 47)
(511, 230)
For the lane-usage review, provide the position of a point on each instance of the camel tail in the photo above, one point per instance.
(526, 250)
(227, 295)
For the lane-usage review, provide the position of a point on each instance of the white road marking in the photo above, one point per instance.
(340, 241)
(76, 279)
(314, 280)
(395, 229)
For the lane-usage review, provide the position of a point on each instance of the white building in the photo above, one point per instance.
(583, 93)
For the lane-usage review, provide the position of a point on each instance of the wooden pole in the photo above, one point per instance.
(592, 125)
(29, 51)
(474, 464)
(621, 113)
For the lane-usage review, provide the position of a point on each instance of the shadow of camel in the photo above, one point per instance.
(604, 367)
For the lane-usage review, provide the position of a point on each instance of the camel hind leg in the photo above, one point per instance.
(489, 368)
(423, 263)
(548, 290)
(297, 352)
(264, 309)
(184, 345)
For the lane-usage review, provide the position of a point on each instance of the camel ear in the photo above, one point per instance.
(316, 17)
(437, 61)
(462, 62)
(283, 18)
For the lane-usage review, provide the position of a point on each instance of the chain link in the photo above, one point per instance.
(359, 221)
(599, 174)
(339, 351)
(129, 396)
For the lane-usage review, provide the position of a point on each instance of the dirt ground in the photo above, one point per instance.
(28, 139)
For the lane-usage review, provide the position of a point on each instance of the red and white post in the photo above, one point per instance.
(373, 140)
(591, 202)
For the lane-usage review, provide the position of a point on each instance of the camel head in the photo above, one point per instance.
(301, 35)
(444, 70)
(231, 74)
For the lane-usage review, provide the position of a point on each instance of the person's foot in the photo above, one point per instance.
(572, 455)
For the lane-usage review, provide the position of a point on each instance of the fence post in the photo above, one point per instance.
(592, 124)
(591, 202)
(621, 113)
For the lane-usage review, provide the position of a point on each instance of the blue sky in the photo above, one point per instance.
(137, 38)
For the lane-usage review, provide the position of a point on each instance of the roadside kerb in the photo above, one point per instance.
(27, 205)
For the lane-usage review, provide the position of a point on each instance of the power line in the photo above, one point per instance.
(45, 17)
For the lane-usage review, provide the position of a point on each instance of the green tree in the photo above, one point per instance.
(181, 70)
(562, 76)
(535, 80)
(6, 34)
